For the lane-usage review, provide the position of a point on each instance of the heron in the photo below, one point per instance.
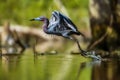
(60, 25)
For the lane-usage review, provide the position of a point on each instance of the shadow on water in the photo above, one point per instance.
(57, 67)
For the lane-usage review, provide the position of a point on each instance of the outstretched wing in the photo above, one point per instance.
(68, 23)
(61, 23)
(54, 22)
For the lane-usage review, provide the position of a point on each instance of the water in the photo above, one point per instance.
(57, 67)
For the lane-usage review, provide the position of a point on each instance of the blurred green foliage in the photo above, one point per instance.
(20, 11)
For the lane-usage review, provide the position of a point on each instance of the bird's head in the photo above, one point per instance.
(41, 18)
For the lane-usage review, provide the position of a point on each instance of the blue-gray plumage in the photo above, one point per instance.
(60, 25)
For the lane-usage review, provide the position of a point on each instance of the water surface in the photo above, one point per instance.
(57, 67)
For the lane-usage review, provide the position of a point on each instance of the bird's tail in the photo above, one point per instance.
(79, 33)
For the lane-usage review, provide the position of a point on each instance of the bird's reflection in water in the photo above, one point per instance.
(102, 70)
(87, 65)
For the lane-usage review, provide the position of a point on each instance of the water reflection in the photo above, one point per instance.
(57, 67)
(108, 70)
(87, 65)
(10, 63)
(101, 70)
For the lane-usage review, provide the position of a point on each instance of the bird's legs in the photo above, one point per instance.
(83, 53)
(86, 53)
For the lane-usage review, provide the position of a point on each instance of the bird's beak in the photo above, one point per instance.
(36, 19)
(32, 19)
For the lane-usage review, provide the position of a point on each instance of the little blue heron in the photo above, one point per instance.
(60, 25)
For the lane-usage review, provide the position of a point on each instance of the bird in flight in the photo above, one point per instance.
(60, 25)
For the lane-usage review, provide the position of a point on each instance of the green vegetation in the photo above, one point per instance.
(20, 11)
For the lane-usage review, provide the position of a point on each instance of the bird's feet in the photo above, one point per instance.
(91, 54)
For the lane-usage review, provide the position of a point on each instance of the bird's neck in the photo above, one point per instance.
(45, 25)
